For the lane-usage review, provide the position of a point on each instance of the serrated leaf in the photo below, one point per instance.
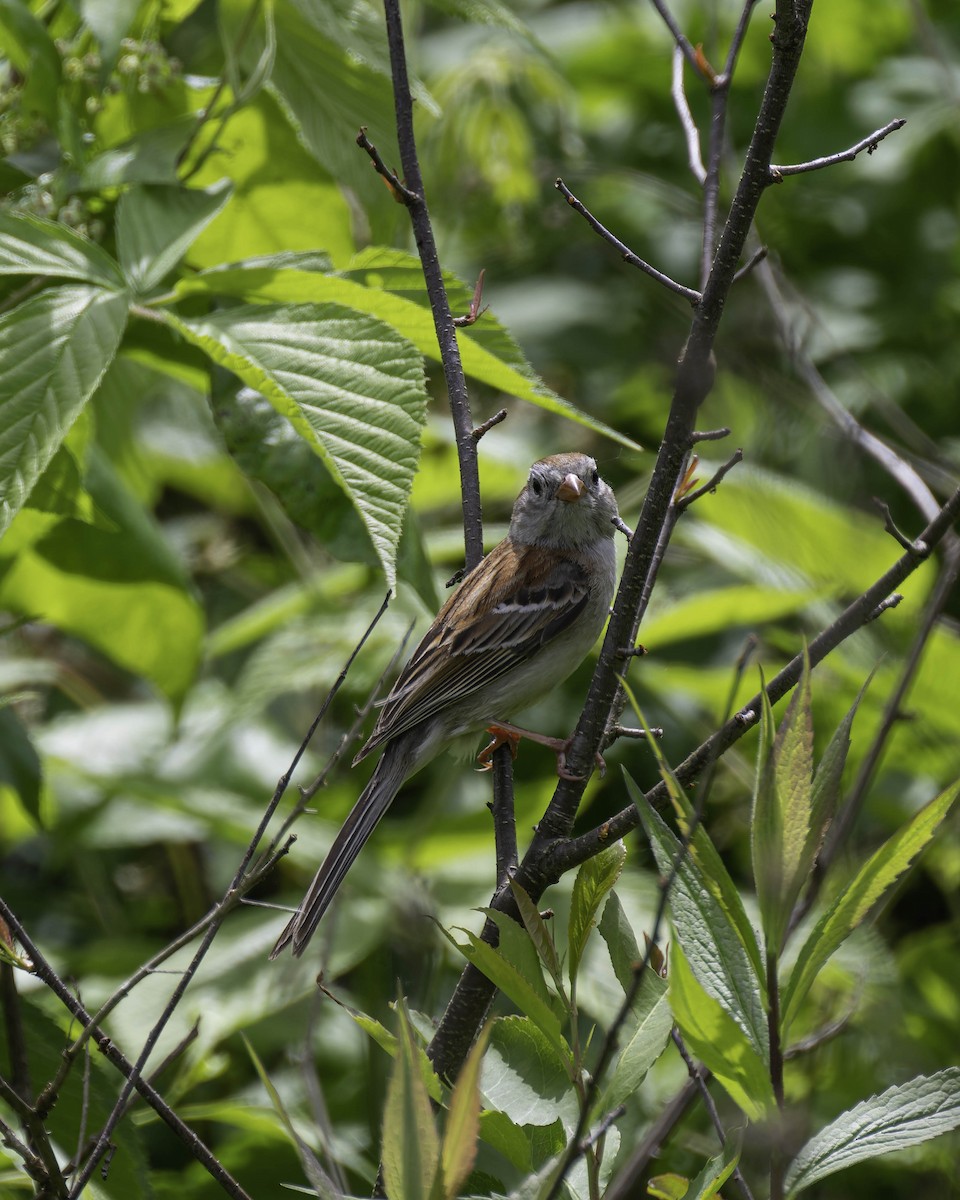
(513, 985)
(31, 245)
(720, 1044)
(349, 385)
(525, 1077)
(874, 880)
(517, 947)
(538, 932)
(459, 1150)
(614, 928)
(389, 285)
(902, 1116)
(54, 349)
(710, 938)
(780, 823)
(592, 885)
(643, 1041)
(411, 1146)
(156, 225)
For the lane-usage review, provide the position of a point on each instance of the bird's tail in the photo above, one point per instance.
(364, 817)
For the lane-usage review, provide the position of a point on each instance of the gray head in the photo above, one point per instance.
(564, 503)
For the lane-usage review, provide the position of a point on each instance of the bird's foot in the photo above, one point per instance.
(510, 735)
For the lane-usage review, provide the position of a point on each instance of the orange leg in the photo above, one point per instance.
(510, 735)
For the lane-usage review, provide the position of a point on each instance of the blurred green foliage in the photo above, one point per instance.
(178, 606)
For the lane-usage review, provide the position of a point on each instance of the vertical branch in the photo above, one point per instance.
(777, 1155)
(439, 304)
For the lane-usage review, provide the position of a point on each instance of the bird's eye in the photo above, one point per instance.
(536, 484)
(595, 478)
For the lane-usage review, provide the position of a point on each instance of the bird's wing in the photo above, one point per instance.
(520, 601)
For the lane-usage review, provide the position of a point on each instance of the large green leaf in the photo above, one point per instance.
(711, 938)
(389, 284)
(873, 881)
(349, 385)
(54, 349)
(30, 245)
(156, 225)
(590, 888)
(524, 1077)
(117, 587)
(902, 1116)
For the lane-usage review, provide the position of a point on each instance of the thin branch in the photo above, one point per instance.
(891, 526)
(398, 188)
(46, 974)
(504, 818)
(689, 53)
(710, 435)
(489, 424)
(624, 1184)
(754, 260)
(688, 124)
(701, 1076)
(436, 291)
(625, 252)
(713, 482)
(870, 143)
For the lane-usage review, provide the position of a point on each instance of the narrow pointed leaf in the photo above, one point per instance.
(31, 245)
(539, 933)
(717, 1041)
(516, 946)
(872, 883)
(459, 1149)
(590, 888)
(54, 349)
(411, 1146)
(350, 386)
(710, 939)
(643, 1040)
(716, 1171)
(614, 928)
(902, 1116)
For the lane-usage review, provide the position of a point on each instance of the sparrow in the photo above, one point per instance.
(518, 625)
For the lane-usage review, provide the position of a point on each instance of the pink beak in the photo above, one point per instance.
(571, 489)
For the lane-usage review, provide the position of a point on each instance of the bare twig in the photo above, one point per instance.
(891, 601)
(398, 189)
(869, 143)
(891, 526)
(436, 291)
(754, 260)
(489, 424)
(625, 252)
(689, 126)
(620, 524)
(709, 435)
(504, 820)
(712, 483)
(475, 311)
(689, 53)
(46, 974)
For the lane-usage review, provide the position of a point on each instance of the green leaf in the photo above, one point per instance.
(349, 385)
(54, 349)
(459, 1149)
(874, 880)
(593, 882)
(30, 48)
(900, 1117)
(156, 225)
(119, 588)
(515, 986)
(110, 21)
(539, 933)
(614, 928)
(518, 948)
(411, 1146)
(715, 1173)
(711, 940)
(31, 245)
(713, 1037)
(718, 610)
(525, 1077)
(19, 765)
(150, 156)
(781, 819)
(643, 1041)
(389, 284)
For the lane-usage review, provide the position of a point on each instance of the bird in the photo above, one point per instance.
(518, 625)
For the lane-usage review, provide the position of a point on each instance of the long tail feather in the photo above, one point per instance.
(364, 817)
